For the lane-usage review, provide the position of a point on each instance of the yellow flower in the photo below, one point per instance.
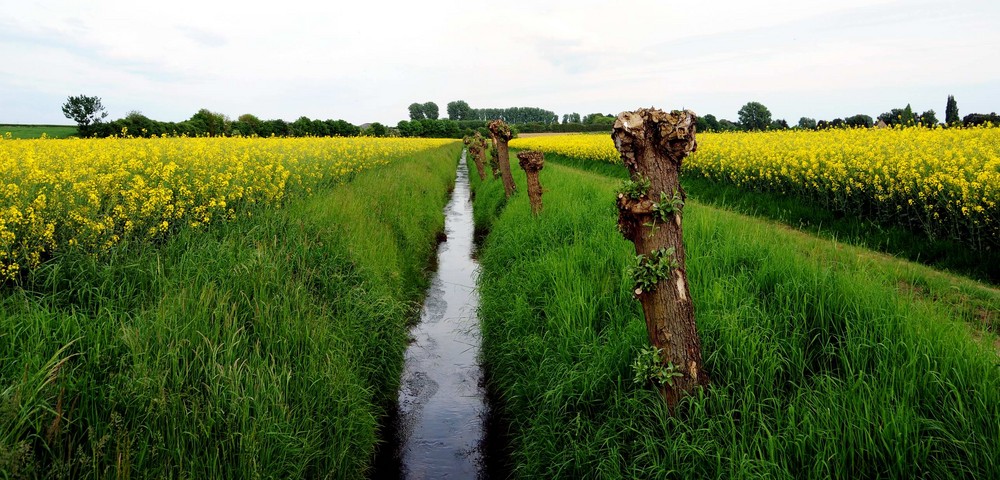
(947, 176)
(96, 193)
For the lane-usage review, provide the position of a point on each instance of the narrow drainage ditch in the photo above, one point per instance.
(439, 429)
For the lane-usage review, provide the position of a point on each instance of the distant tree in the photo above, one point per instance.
(431, 110)
(301, 127)
(859, 121)
(450, 129)
(409, 129)
(899, 116)
(599, 119)
(779, 124)
(320, 129)
(928, 118)
(210, 123)
(459, 110)
(837, 123)
(377, 130)
(343, 128)
(431, 128)
(951, 112)
(247, 125)
(278, 128)
(890, 117)
(139, 125)
(754, 116)
(712, 122)
(700, 124)
(263, 128)
(974, 119)
(908, 118)
(441, 128)
(574, 118)
(417, 111)
(822, 125)
(807, 123)
(86, 111)
(728, 126)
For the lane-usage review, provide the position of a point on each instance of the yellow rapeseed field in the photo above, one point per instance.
(945, 182)
(95, 193)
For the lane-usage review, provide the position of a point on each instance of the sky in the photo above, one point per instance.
(366, 61)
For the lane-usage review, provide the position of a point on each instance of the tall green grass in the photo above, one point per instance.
(826, 360)
(264, 347)
(808, 216)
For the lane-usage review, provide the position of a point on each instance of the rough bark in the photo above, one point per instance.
(501, 135)
(652, 145)
(494, 163)
(478, 149)
(531, 162)
(477, 157)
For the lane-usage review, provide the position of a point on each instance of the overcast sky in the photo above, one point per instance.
(366, 61)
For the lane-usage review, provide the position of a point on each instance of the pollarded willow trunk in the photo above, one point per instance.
(477, 157)
(531, 162)
(652, 144)
(478, 148)
(494, 163)
(472, 145)
(501, 135)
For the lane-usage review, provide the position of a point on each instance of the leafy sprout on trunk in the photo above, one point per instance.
(647, 271)
(649, 367)
(667, 206)
(634, 189)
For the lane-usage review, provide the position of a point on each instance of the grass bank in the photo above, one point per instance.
(827, 360)
(36, 131)
(806, 215)
(263, 347)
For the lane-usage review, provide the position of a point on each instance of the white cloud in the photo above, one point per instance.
(366, 61)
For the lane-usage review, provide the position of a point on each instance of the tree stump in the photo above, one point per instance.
(652, 144)
(501, 135)
(531, 162)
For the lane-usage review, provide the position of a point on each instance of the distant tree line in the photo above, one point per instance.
(464, 120)
(440, 128)
(459, 110)
(572, 122)
(516, 115)
(563, 127)
(754, 116)
(975, 119)
(447, 128)
(208, 123)
(88, 113)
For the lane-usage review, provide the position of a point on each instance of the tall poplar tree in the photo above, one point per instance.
(951, 112)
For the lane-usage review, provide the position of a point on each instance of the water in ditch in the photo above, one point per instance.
(440, 428)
